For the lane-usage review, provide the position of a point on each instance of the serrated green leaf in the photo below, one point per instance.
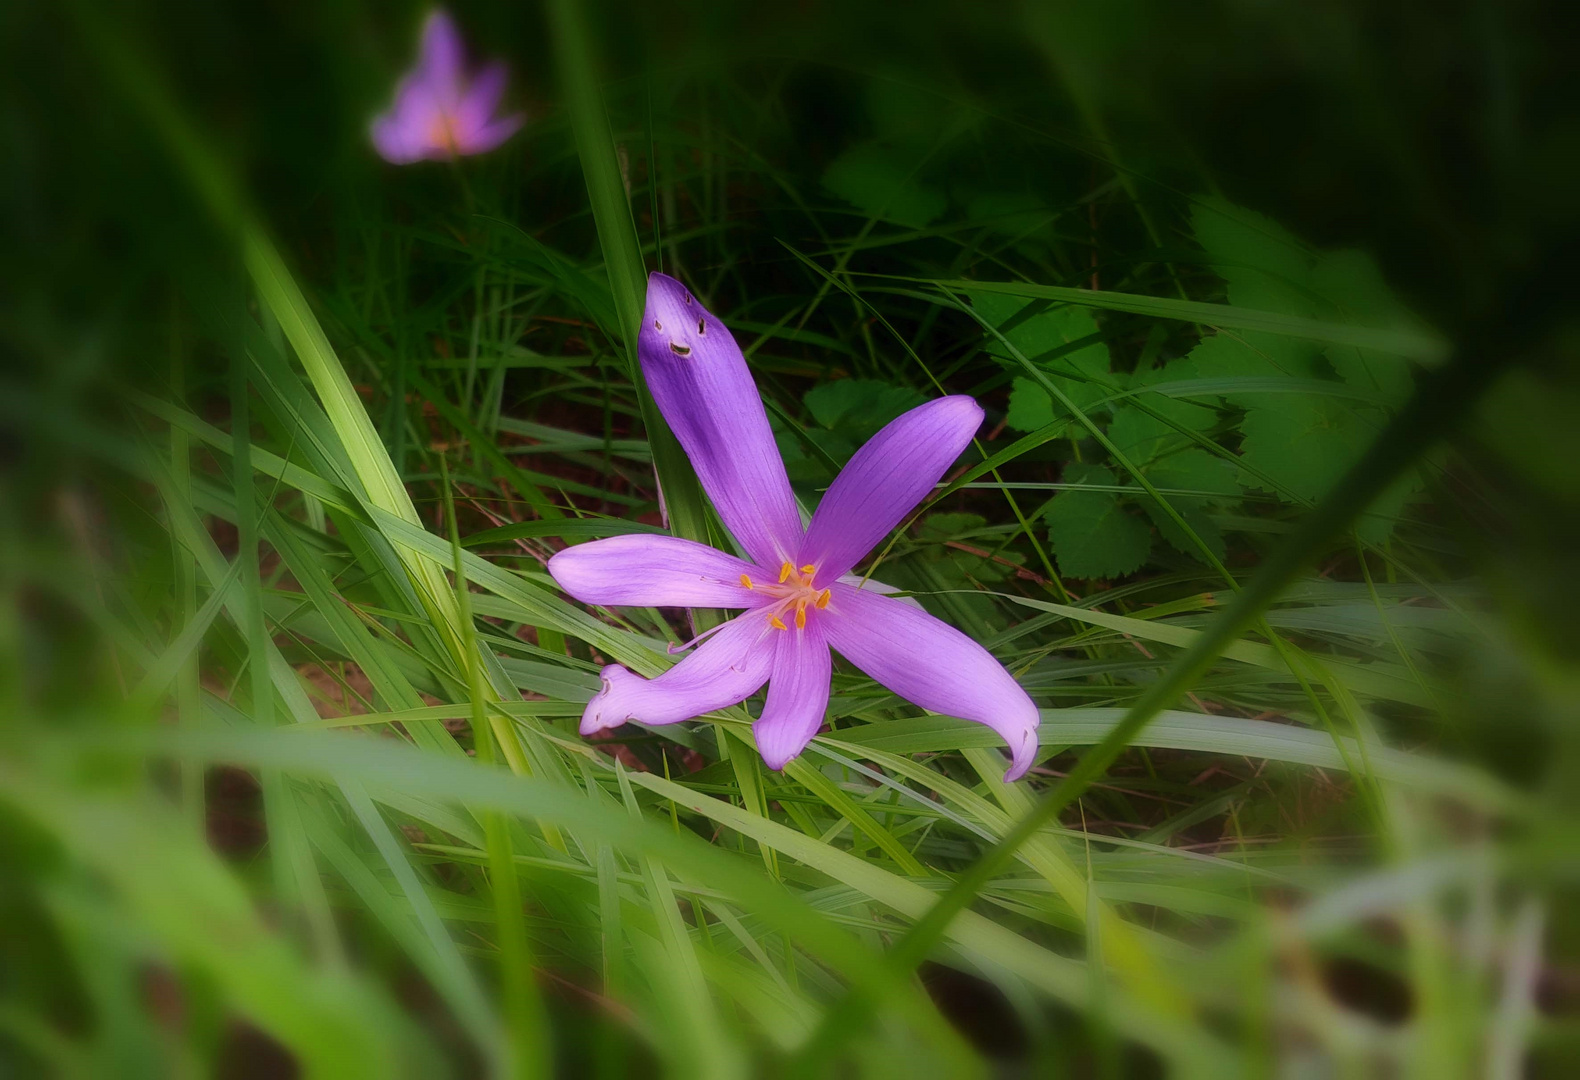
(1196, 470)
(1030, 407)
(1092, 534)
(1264, 265)
(1040, 332)
(857, 408)
(1039, 335)
(1193, 469)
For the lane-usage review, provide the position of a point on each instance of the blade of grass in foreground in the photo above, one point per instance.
(188, 902)
(531, 1051)
(388, 764)
(1436, 408)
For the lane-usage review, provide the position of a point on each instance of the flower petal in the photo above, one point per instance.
(884, 482)
(856, 581)
(482, 96)
(933, 665)
(490, 135)
(441, 59)
(797, 694)
(404, 134)
(653, 571)
(701, 383)
(724, 670)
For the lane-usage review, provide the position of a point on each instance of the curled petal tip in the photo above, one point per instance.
(604, 711)
(1022, 757)
(1021, 735)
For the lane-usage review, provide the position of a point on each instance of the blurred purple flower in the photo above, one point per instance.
(440, 111)
(799, 598)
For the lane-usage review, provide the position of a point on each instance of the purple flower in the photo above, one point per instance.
(799, 598)
(440, 111)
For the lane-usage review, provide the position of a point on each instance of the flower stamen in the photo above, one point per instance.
(746, 582)
(784, 573)
(823, 598)
(776, 622)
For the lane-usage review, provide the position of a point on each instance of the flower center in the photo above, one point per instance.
(794, 589)
(442, 134)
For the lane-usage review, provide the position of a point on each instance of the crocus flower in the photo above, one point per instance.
(795, 585)
(440, 111)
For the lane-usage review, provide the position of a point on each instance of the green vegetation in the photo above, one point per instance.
(1273, 515)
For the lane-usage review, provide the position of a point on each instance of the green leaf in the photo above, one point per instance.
(1040, 335)
(1091, 533)
(1351, 282)
(1030, 407)
(857, 408)
(1265, 267)
(1196, 470)
(872, 178)
(1142, 437)
(1193, 470)
(1305, 443)
(1231, 356)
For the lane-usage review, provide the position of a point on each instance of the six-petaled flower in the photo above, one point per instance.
(441, 111)
(795, 585)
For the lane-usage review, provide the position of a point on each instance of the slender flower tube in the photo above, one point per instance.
(796, 607)
(440, 111)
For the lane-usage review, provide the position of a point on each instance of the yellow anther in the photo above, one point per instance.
(809, 569)
(784, 573)
(800, 616)
(823, 598)
(746, 582)
(775, 622)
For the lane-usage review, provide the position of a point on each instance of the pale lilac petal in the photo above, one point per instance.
(723, 671)
(933, 665)
(441, 59)
(856, 581)
(653, 571)
(477, 105)
(701, 383)
(487, 137)
(405, 133)
(797, 694)
(884, 482)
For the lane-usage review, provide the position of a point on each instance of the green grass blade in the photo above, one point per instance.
(576, 58)
(1412, 344)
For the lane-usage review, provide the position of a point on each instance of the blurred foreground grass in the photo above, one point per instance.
(290, 781)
